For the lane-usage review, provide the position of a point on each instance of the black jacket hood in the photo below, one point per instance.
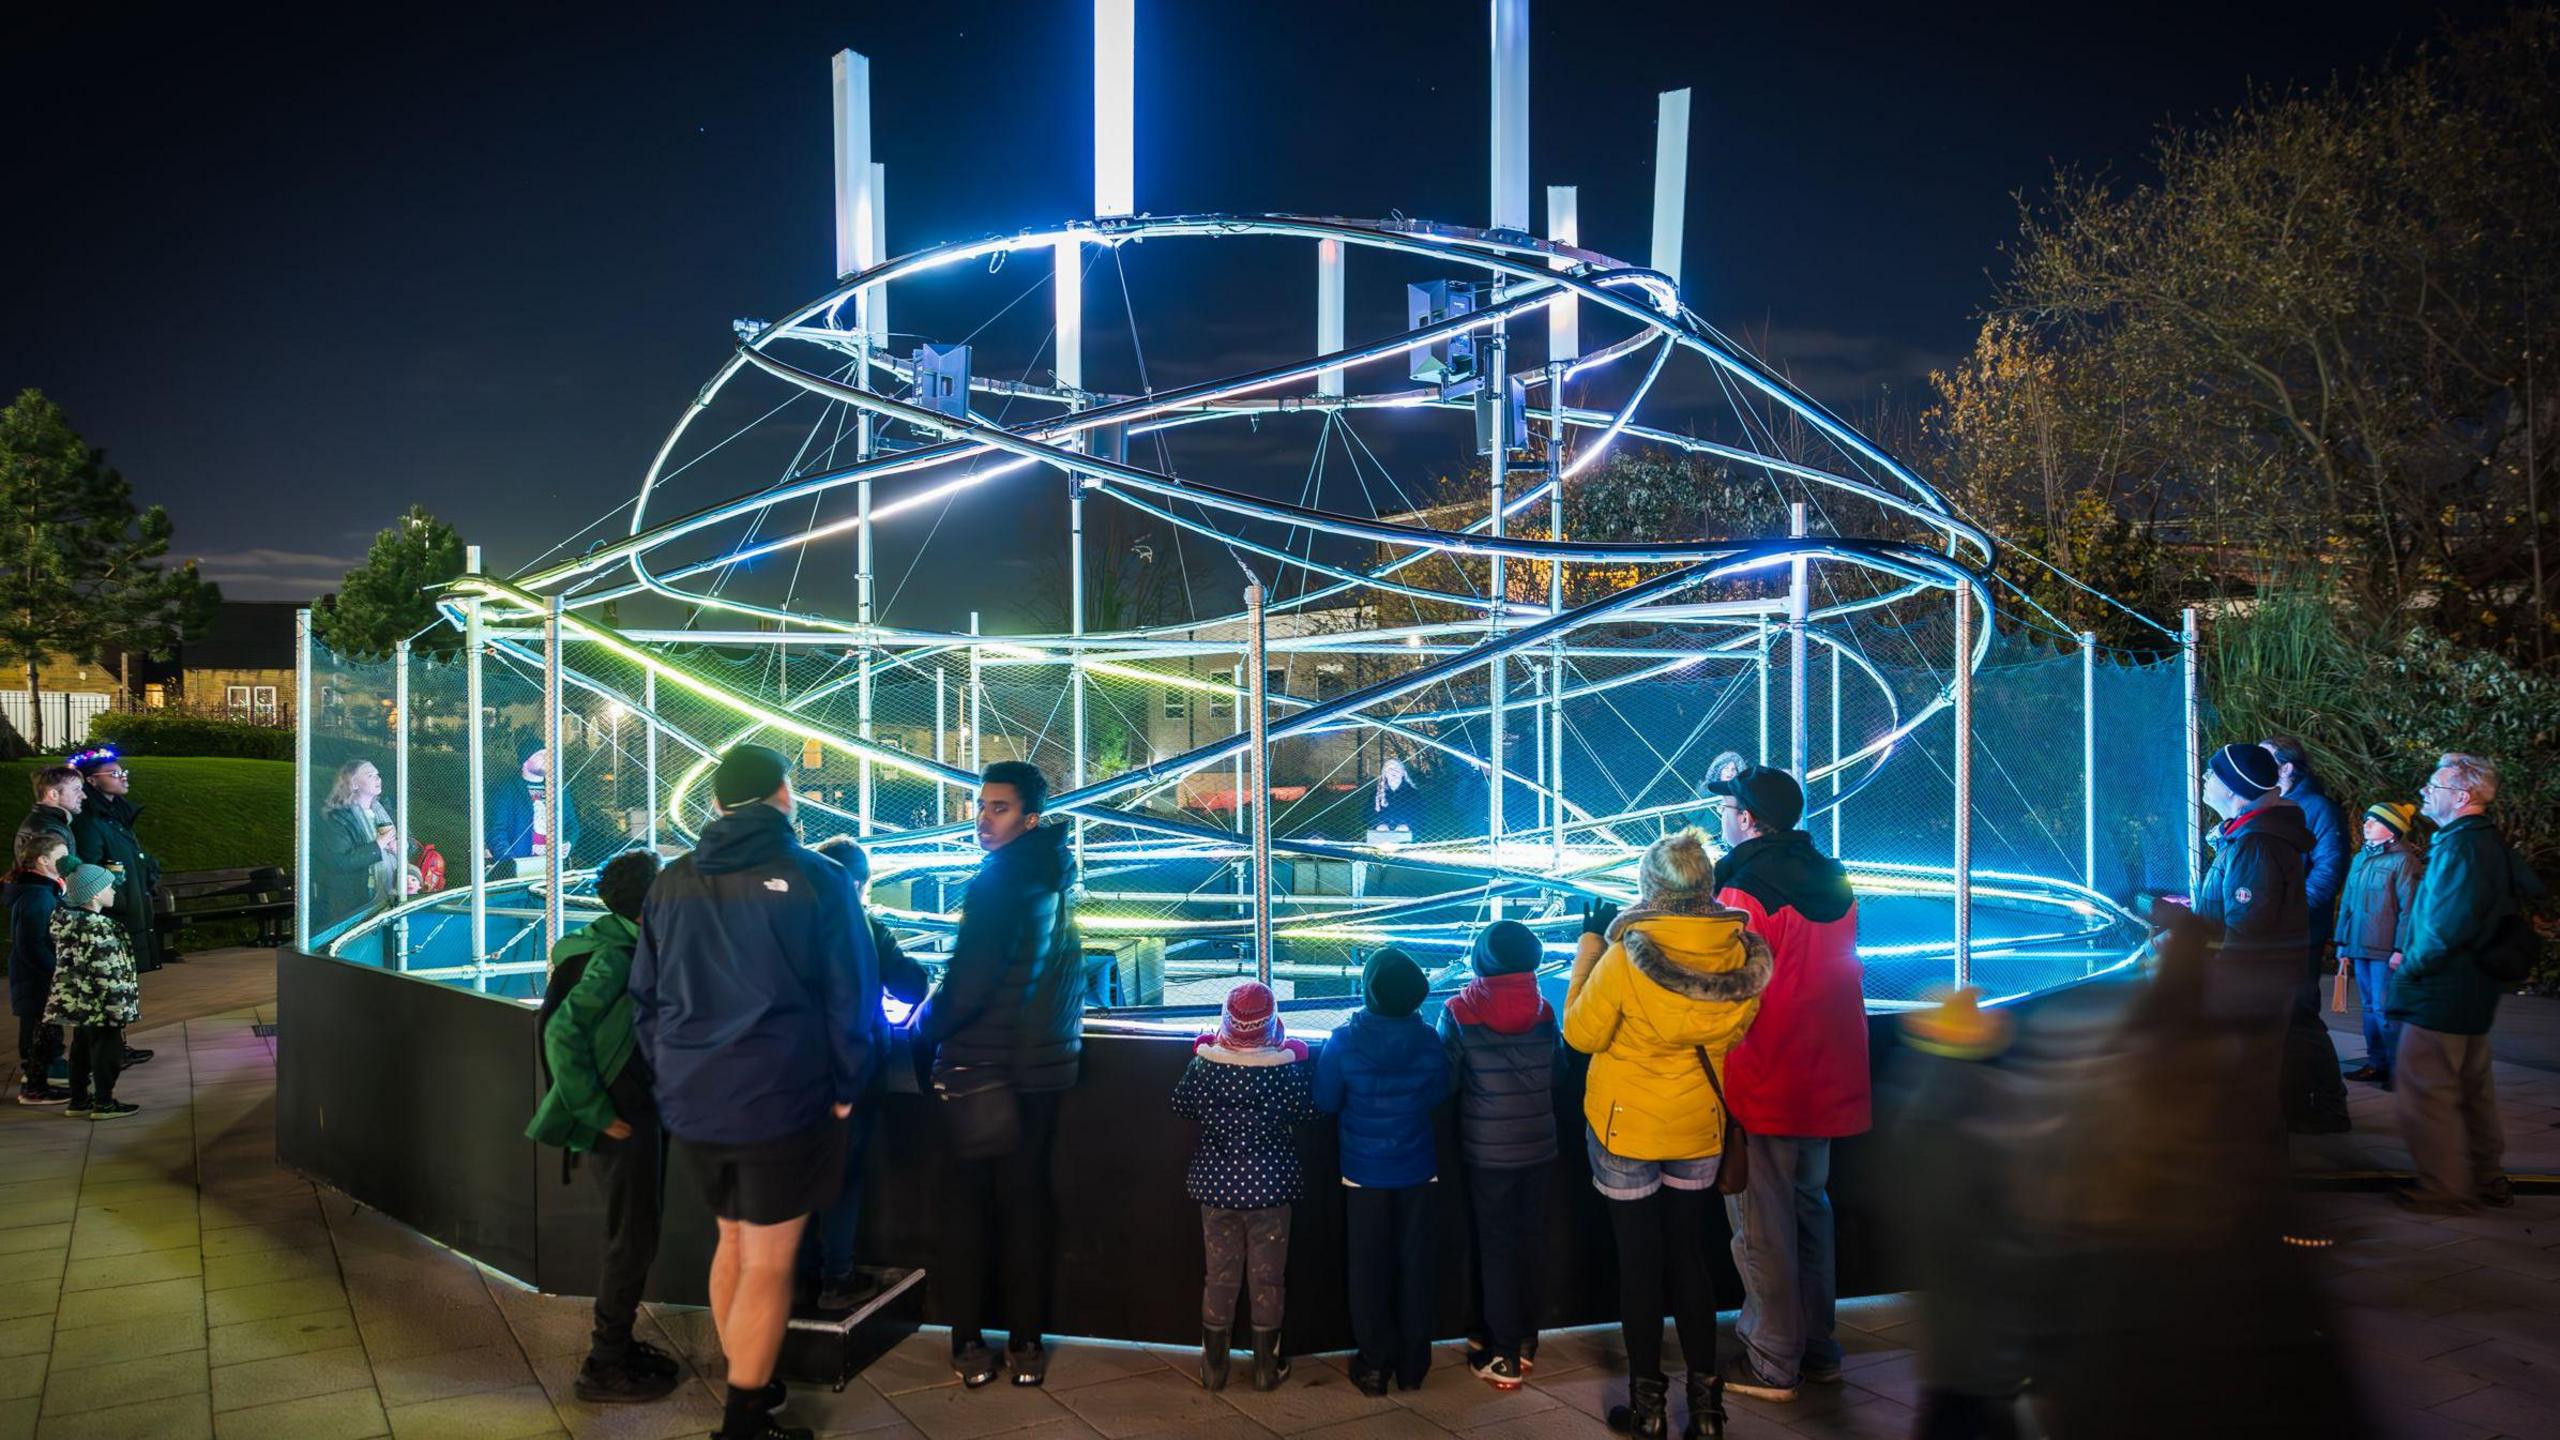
(743, 839)
(1785, 870)
(2275, 819)
(1039, 859)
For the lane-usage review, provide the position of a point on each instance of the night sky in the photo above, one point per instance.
(298, 271)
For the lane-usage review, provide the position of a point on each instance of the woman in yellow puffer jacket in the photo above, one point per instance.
(1655, 991)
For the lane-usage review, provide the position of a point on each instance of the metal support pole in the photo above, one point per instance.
(1835, 750)
(2089, 758)
(1328, 311)
(941, 743)
(977, 702)
(555, 781)
(1762, 758)
(2188, 636)
(1244, 867)
(1799, 606)
(1964, 788)
(1068, 285)
(302, 779)
(649, 702)
(1497, 383)
(1555, 591)
(400, 796)
(475, 753)
(1259, 749)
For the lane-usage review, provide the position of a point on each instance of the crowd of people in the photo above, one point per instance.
(79, 903)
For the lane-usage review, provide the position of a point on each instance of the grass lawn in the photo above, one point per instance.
(197, 814)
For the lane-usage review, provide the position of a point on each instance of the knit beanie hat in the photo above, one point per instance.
(2395, 818)
(2248, 769)
(1507, 947)
(86, 884)
(748, 773)
(1250, 1020)
(1393, 983)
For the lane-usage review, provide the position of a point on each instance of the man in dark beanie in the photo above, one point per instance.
(1384, 1072)
(1502, 1037)
(756, 1003)
(2315, 1095)
(2252, 901)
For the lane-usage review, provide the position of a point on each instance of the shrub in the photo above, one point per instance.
(145, 732)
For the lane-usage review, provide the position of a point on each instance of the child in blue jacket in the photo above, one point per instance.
(1384, 1072)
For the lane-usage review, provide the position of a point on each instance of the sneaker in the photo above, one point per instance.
(43, 1095)
(974, 1363)
(1529, 1354)
(1372, 1383)
(1030, 1361)
(2498, 1192)
(1741, 1379)
(622, 1382)
(136, 1057)
(648, 1358)
(112, 1109)
(1499, 1371)
(78, 1109)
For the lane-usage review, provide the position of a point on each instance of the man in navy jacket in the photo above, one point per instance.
(756, 999)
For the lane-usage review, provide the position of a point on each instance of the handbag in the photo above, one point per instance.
(2338, 990)
(1733, 1168)
(979, 1113)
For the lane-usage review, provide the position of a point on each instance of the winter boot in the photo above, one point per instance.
(1647, 1411)
(1270, 1367)
(1706, 1407)
(1215, 1343)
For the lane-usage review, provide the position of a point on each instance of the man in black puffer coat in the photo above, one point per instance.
(2254, 895)
(1502, 1039)
(2315, 1093)
(1006, 1022)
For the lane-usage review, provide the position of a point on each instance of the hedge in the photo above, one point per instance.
(146, 732)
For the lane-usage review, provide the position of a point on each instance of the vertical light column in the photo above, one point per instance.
(1497, 392)
(2089, 758)
(1836, 771)
(555, 782)
(852, 96)
(2187, 638)
(1258, 752)
(1799, 607)
(1763, 757)
(1670, 181)
(1328, 312)
(1115, 45)
(1964, 788)
(941, 742)
(1069, 285)
(649, 702)
(1244, 823)
(1555, 593)
(302, 779)
(977, 706)
(1510, 148)
(475, 757)
(1564, 318)
(858, 233)
(400, 795)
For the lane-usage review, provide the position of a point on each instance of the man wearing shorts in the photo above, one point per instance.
(761, 1034)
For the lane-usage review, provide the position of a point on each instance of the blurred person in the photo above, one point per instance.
(95, 994)
(1659, 997)
(2315, 1098)
(33, 893)
(1007, 1030)
(1502, 1037)
(2373, 923)
(760, 1037)
(103, 834)
(2470, 935)
(1248, 1087)
(1800, 1081)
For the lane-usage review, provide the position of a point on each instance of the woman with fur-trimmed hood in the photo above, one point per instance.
(1658, 993)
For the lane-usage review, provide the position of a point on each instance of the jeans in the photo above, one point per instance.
(1248, 1249)
(1390, 1244)
(1662, 1254)
(632, 1173)
(1619, 1178)
(97, 1058)
(827, 1244)
(1782, 1245)
(1509, 1209)
(39, 1045)
(2381, 1036)
(2449, 1114)
(1000, 1208)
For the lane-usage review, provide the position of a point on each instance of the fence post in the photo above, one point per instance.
(475, 644)
(555, 782)
(301, 778)
(1799, 608)
(1258, 748)
(400, 796)
(1964, 788)
(1835, 750)
(649, 702)
(2194, 838)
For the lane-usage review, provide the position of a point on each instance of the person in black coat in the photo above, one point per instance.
(1502, 1038)
(2315, 1092)
(103, 834)
(33, 893)
(1007, 1027)
(1248, 1085)
(59, 794)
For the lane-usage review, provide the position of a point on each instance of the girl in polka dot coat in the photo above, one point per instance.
(1248, 1086)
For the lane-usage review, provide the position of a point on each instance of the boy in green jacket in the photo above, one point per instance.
(599, 1104)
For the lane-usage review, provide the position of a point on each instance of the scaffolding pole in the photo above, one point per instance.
(1258, 748)
(1497, 395)
(941, 742)
(301, 779)
(1555, 585)
(475, 758)
(2187, 642)
(1799, 607)
(1964, 788)
(555, 781)
(400, 797)
(649, 702)
(2089, 758)
(1836, 805)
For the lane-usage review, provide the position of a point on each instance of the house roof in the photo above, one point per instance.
(244, 635)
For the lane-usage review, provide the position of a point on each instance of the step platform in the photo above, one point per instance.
(830, 1348)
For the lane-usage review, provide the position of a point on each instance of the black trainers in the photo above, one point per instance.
(650, 1360)
(43, 1095)
(1372, 1383)
(974, 1363)
(1029, 1360)
(621, 1382)
(135, 1057)
(111, 1109)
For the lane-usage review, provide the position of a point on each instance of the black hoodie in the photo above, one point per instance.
(1783, 869)
(1013, 995)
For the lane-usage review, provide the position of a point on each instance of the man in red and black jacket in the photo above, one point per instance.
(1798, 1081)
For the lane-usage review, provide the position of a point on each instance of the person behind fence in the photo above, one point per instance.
(1383, 1071)
(33, 893)
(356, 864)
(2315, 1098)
(103, 833)
(1658, 998)
(599, 1105)
(760, 1036)
(1502, 1037)
(1007, 1028)
(2472, 935)
(59, 793)
(518, 821)
(826, 1248)
(2373, 922)
(96, 992)
(1800, 1081)
(1248, 1087)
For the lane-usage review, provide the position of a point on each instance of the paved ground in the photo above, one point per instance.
(161, 1278)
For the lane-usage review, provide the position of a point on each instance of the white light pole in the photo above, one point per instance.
(475, 763)
(1964, 788)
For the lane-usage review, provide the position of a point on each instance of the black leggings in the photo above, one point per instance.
(1664, 1237)
(998, 1213)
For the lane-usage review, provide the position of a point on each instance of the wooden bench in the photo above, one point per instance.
(261, 893)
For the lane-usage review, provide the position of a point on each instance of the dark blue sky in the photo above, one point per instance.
(298, 269)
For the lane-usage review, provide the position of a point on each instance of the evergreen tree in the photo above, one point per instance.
(391, 596)
(80, 567)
